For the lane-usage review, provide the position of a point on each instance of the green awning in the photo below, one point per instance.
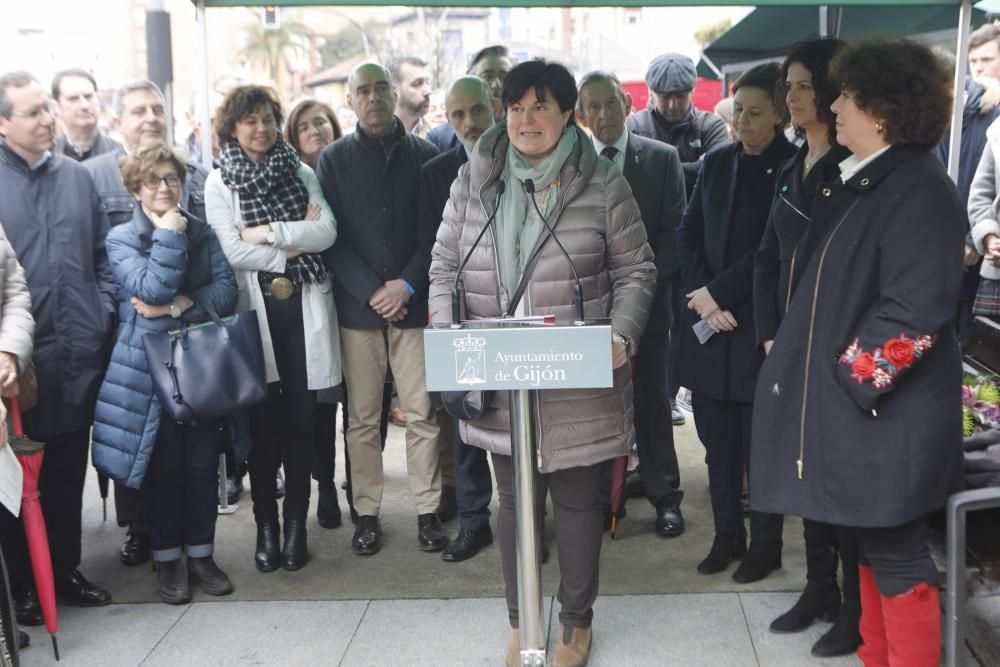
(756, 37)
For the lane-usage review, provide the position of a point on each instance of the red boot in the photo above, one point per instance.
(913, 627)
(875, 650)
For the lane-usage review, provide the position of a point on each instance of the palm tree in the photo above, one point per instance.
(272, 45)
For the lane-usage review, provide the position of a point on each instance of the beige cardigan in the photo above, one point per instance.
(17, 326)
(319, 315)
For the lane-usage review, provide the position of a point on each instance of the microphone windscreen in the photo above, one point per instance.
(501, 186)
(529, 187)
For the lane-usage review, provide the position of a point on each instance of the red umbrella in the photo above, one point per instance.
(30, 454)
(618, 467)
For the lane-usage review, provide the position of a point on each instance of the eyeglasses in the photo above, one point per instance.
(152, 181)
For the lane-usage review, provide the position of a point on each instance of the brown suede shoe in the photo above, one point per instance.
(573, 647)
(514, 649)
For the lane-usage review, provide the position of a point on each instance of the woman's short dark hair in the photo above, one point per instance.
(540, 75)
(138, 165)
(292, 129)
(815, 55)
(900, 83)
(239, 103)
(766, 77)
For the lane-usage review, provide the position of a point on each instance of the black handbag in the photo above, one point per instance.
(466, 405)
(208, 370)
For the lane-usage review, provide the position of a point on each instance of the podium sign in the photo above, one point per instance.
(518, 356)
(521, 358)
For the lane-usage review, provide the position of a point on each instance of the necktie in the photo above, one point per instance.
(609, 152)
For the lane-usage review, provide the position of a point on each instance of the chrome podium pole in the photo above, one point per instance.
(529, 573)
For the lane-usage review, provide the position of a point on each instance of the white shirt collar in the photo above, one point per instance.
(621, 144)
(853, 165)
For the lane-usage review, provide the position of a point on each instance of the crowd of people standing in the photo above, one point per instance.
(798, 268)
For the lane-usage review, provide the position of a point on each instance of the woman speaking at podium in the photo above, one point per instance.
(555, 210)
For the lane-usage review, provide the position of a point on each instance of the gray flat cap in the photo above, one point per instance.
(671, 73)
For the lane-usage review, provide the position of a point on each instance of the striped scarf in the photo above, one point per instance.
(272, 192)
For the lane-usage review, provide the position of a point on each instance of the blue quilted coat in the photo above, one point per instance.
(154, 265)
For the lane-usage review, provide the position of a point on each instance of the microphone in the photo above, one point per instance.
(456, 302)
(529, 189)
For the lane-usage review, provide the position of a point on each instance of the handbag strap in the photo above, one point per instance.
(212, 313)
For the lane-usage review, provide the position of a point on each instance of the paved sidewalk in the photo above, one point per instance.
(688, 629)
(403, 607)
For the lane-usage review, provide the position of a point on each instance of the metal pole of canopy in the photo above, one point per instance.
(824, 21)
(961, 58)
(204, 116)
(529, 573)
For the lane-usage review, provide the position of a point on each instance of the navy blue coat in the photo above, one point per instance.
(154, 265)
(780, 261)
(975, 122)
(857, 419)
(53, 218)
(375, 197)
(725, 368)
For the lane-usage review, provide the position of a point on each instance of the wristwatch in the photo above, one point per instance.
(175, 309)
(269, 235)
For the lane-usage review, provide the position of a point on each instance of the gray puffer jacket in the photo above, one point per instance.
(598, 221)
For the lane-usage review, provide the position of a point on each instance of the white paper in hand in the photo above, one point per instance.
(11, 478)
(703, 331)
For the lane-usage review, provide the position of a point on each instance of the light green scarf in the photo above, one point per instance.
(518, 224)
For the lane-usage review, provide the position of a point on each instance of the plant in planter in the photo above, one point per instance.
(980, 405)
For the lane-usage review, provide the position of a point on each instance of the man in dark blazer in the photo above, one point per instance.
(653, 170)
(471, 109)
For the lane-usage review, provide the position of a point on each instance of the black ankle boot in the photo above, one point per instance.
(761, 559)
(843, 638)
(294, 554)
(725, 548)
(328, 507)
(208, 576)
(820, 600)
(171, 575)
(266, 557)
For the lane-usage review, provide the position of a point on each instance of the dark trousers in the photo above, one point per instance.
(576, 500)
(60, 487)
(654, 430)
(825, 545)
(678, 303)
(473, 485)
(724, 430)
(325, 457)
(182, 488)
(899, 557)
(131, 508)
(284, 424)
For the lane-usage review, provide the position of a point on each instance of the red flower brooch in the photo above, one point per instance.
(882, 365)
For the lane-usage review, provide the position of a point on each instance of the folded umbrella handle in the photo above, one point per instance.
(15, 415)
